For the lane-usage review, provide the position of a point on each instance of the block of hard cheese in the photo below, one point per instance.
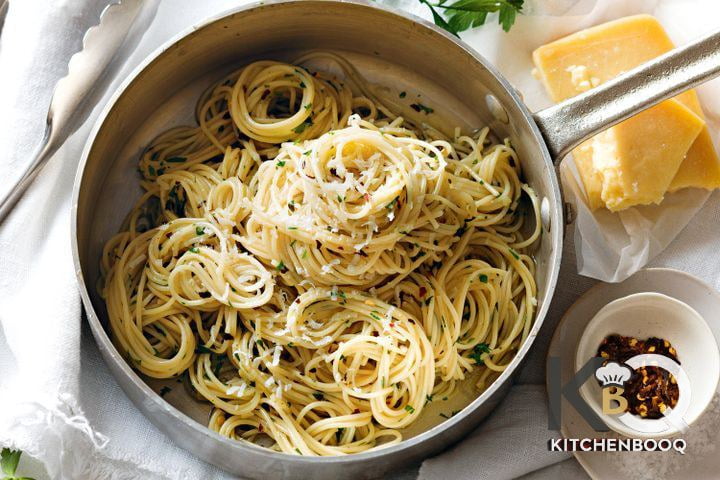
(588, 58)
(701, 167)
(637, 159)
(599, 54)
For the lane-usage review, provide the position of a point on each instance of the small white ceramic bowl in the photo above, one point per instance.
(645, 315)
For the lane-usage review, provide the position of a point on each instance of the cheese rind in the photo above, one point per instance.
(583, 60)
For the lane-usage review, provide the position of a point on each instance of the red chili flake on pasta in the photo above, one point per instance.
(423, 291)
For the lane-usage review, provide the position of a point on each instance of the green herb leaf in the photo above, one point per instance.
(280, 163)
(409, 409)
(478, 351)
(514, 254)
(280, 266)
(9, 460)
(483, 278)
(465, 14)
(301, 128)
(199, 230)
(438, 19)
(419, 107)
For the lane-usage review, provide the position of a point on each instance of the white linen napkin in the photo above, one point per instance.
(59, 402)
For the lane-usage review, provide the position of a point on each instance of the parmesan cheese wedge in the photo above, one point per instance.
(582, 61)
(638, 159)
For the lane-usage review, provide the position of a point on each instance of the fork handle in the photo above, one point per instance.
(41, 156)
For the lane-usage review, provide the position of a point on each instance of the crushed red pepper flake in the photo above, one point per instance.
(650, 390)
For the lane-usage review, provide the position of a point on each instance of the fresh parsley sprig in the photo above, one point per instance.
(9, 460)
(464, 14)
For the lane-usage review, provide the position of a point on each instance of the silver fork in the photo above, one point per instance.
(4, 4)
(72, 99)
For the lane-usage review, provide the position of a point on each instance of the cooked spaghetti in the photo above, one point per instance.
(319, 267)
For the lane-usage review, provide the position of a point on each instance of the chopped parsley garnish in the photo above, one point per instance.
(301, 128)
(307, 153)
(391, 205)
(514, 254)
(419, 107)
(280, 163)
(478, 351)
(409, 409)
(260, 342)
(199, 230)
(307, 106)
(194, 249)
(428, 398)
(280, 266)
(374, 314)
(292, 228)
(483, 278)
(461, 231)
(339, 199)
(298, 451)
(304, 254)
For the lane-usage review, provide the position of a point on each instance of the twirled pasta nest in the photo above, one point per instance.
(318, 267)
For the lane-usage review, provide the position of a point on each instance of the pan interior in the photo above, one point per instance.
(401, 57)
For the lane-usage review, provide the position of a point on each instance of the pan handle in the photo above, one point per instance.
(573, 121)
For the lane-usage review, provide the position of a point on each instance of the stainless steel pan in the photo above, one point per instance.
(390, 49)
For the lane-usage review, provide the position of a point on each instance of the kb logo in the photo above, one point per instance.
(613, 378)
